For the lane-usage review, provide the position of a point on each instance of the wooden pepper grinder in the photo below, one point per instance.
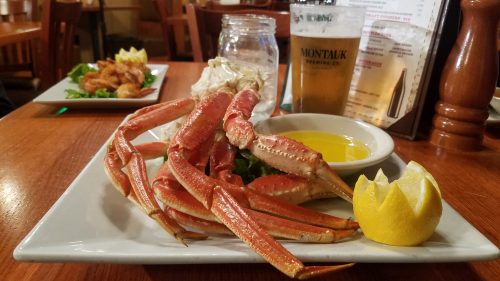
(468, 80)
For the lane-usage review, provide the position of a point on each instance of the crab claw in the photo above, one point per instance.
(278, 151)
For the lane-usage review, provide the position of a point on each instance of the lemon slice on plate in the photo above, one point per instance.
(404, 212)
(132, 55)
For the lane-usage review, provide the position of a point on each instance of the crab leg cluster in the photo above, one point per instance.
(219, 202)
(134, 183)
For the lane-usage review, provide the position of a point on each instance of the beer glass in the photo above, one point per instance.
(324, 45)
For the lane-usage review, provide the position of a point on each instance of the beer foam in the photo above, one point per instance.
(326, 21)
(327, 30)
(330, 35)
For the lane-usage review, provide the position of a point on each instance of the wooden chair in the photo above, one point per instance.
(173, 24)
(16, 57)
(59, 22)
(205, 26)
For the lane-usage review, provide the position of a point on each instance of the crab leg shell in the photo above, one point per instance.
(137, 174)
(140, 191)
(152, 150)
(284, 228)
(216, 199)
(257, 201)
(113, 164)
(198, 223)
(222, 163)
(238, 129)
(228, 211)
(284, 209)
(237, 220)
(291, 188)
(113, 168)
(181, 200)
(144, 110)
(202, 121)
(294, 157)
(171, 193)
(199, 126)
(160, 114)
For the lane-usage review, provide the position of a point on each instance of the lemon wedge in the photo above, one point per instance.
(404, 212)
(132, 55)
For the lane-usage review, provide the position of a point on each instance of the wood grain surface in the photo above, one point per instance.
(41, 154)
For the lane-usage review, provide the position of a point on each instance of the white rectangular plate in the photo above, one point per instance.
(92, 222)
(56, 95)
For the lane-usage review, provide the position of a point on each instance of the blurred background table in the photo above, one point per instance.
(42, 153)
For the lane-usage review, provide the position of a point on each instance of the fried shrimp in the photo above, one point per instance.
(126, 78)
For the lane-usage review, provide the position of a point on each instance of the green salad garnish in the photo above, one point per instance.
(76, 74)
(250, 167)
(76, 94)
(149, 79)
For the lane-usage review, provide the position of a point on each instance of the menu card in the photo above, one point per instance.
(394, 53)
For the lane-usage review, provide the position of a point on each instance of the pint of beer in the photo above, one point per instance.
(324, 43)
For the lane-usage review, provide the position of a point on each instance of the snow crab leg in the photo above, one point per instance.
(134, 184)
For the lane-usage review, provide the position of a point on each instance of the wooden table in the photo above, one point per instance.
(42, 153)
(15, 32)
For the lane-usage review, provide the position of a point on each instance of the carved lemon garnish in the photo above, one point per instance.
(132, 55)
(404, 212)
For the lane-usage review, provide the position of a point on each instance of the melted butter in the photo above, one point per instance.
(334, 148)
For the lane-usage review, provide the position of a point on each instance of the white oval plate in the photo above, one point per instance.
(377, 140)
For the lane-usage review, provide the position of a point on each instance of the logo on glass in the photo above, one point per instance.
(319, 17)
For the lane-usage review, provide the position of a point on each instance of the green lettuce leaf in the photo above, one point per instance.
(76, 74)
(149, 79)
(104, 93)
(250, 167)
(76, 94)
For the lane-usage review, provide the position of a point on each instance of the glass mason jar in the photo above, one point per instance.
(249, 40)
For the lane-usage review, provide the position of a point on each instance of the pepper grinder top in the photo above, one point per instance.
(468, 79)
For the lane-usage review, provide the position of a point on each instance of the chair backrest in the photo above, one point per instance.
(15, 57)
(173, 25)
(205, 26)
(59, 22)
